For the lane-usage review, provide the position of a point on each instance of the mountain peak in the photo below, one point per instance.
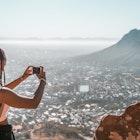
(125, 52)
(133, 31)
(131, 36)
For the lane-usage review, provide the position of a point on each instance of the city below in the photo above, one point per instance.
(76, 97)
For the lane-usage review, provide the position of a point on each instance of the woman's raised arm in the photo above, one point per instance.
(17, 81)
(10, 98)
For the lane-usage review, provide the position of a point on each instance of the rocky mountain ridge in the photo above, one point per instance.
(124, 53)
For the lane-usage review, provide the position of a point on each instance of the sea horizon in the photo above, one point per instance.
(84, 46)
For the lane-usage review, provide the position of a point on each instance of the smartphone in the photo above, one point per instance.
(36, 70)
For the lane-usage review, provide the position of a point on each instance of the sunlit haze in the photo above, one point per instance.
(78, 46)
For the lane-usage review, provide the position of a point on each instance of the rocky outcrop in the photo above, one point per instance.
(123, 127)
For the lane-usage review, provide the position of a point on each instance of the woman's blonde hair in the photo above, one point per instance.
(2, 57)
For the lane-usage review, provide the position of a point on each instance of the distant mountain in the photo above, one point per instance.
(125, 52)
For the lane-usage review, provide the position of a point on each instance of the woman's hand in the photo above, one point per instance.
(27, 72)
(41, 75)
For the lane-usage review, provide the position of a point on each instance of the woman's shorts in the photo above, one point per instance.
(6, 132)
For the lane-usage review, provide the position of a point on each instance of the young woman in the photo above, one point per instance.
(9, 98)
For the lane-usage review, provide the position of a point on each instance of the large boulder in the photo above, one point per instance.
(122, 127)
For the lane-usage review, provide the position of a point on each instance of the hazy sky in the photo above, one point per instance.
(68, 18)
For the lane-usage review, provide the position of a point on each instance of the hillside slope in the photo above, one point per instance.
(125, 52)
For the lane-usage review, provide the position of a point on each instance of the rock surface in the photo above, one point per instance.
(123, 127)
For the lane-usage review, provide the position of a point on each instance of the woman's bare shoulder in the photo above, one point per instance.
(6, 93)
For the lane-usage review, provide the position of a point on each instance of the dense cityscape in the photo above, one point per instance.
(76, 95)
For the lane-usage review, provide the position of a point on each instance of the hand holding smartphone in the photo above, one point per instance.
(35, 70)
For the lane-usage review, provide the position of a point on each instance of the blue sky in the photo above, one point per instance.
(68, 18)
